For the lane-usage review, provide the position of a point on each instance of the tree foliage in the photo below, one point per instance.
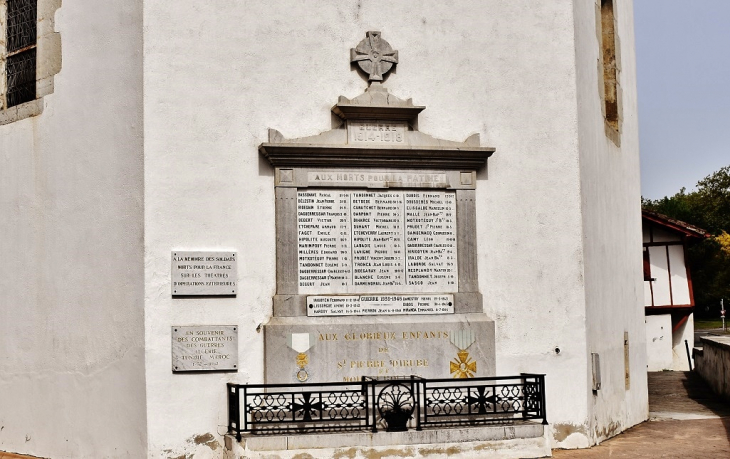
(707, 207)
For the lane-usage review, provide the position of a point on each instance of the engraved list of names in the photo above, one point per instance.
(395, 241)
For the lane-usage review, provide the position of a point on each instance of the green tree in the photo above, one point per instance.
(709, 260)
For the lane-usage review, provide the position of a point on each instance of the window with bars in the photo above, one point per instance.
(20, 51)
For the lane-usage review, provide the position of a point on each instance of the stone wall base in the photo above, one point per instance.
(525, 440)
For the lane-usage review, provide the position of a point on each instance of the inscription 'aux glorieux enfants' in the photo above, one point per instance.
(386, 365)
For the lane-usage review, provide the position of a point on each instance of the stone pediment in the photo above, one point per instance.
(378, 132)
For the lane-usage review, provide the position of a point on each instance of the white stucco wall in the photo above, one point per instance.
(612, 236)
(234, 70)
(685, 331)
(71, 280)
(659, 342)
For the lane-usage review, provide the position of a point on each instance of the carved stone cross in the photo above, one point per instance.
(374, 56)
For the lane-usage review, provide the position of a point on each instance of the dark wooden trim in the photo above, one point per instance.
(659, 244)
(689, 277)
(651, 233)
(680, 322)
(665, 309)
(674, 225)
(651, 282)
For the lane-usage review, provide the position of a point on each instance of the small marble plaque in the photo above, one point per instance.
(205, 348)
(373, 305)
(204, 273)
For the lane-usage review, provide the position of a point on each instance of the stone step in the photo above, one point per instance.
(518, 440)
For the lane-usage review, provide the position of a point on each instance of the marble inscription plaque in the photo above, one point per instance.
(360, 241)
(204, 347)
(452, 346)
(371, 305)
(204, 273)
(376, 132)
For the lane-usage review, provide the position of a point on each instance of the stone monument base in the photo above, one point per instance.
(503, 442)
(344, 349)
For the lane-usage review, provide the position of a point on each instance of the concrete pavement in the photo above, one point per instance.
(686, 421)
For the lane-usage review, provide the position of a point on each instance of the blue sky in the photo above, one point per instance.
(683, 66)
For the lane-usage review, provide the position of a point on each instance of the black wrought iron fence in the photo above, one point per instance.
(393, 404)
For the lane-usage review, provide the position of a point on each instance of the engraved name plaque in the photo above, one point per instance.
(398, 241)
(371, 305)
(204, 273)
(205, 348)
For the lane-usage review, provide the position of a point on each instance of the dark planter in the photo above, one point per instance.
(396, 420)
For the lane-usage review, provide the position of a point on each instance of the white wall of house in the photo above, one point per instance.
(611, 221)
(670, 284)
(686, 331)
(71, 280)
(659, 353)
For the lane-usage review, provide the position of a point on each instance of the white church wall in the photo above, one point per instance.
(612, 228)
(71, 281)
(659, 342)
(234, 70)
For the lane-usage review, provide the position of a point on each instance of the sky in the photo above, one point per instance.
(683, 71)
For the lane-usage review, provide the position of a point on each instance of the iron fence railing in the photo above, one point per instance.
(393, 404)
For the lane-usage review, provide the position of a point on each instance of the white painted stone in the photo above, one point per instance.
(659, 342)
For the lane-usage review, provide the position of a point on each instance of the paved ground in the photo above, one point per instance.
(686, 421)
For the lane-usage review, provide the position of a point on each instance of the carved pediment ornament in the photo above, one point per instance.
(375, 110)
(374, 56)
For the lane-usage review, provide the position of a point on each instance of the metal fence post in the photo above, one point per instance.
(542, 400)
(421, 384)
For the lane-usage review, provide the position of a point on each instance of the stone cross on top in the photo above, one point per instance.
(374, 56)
